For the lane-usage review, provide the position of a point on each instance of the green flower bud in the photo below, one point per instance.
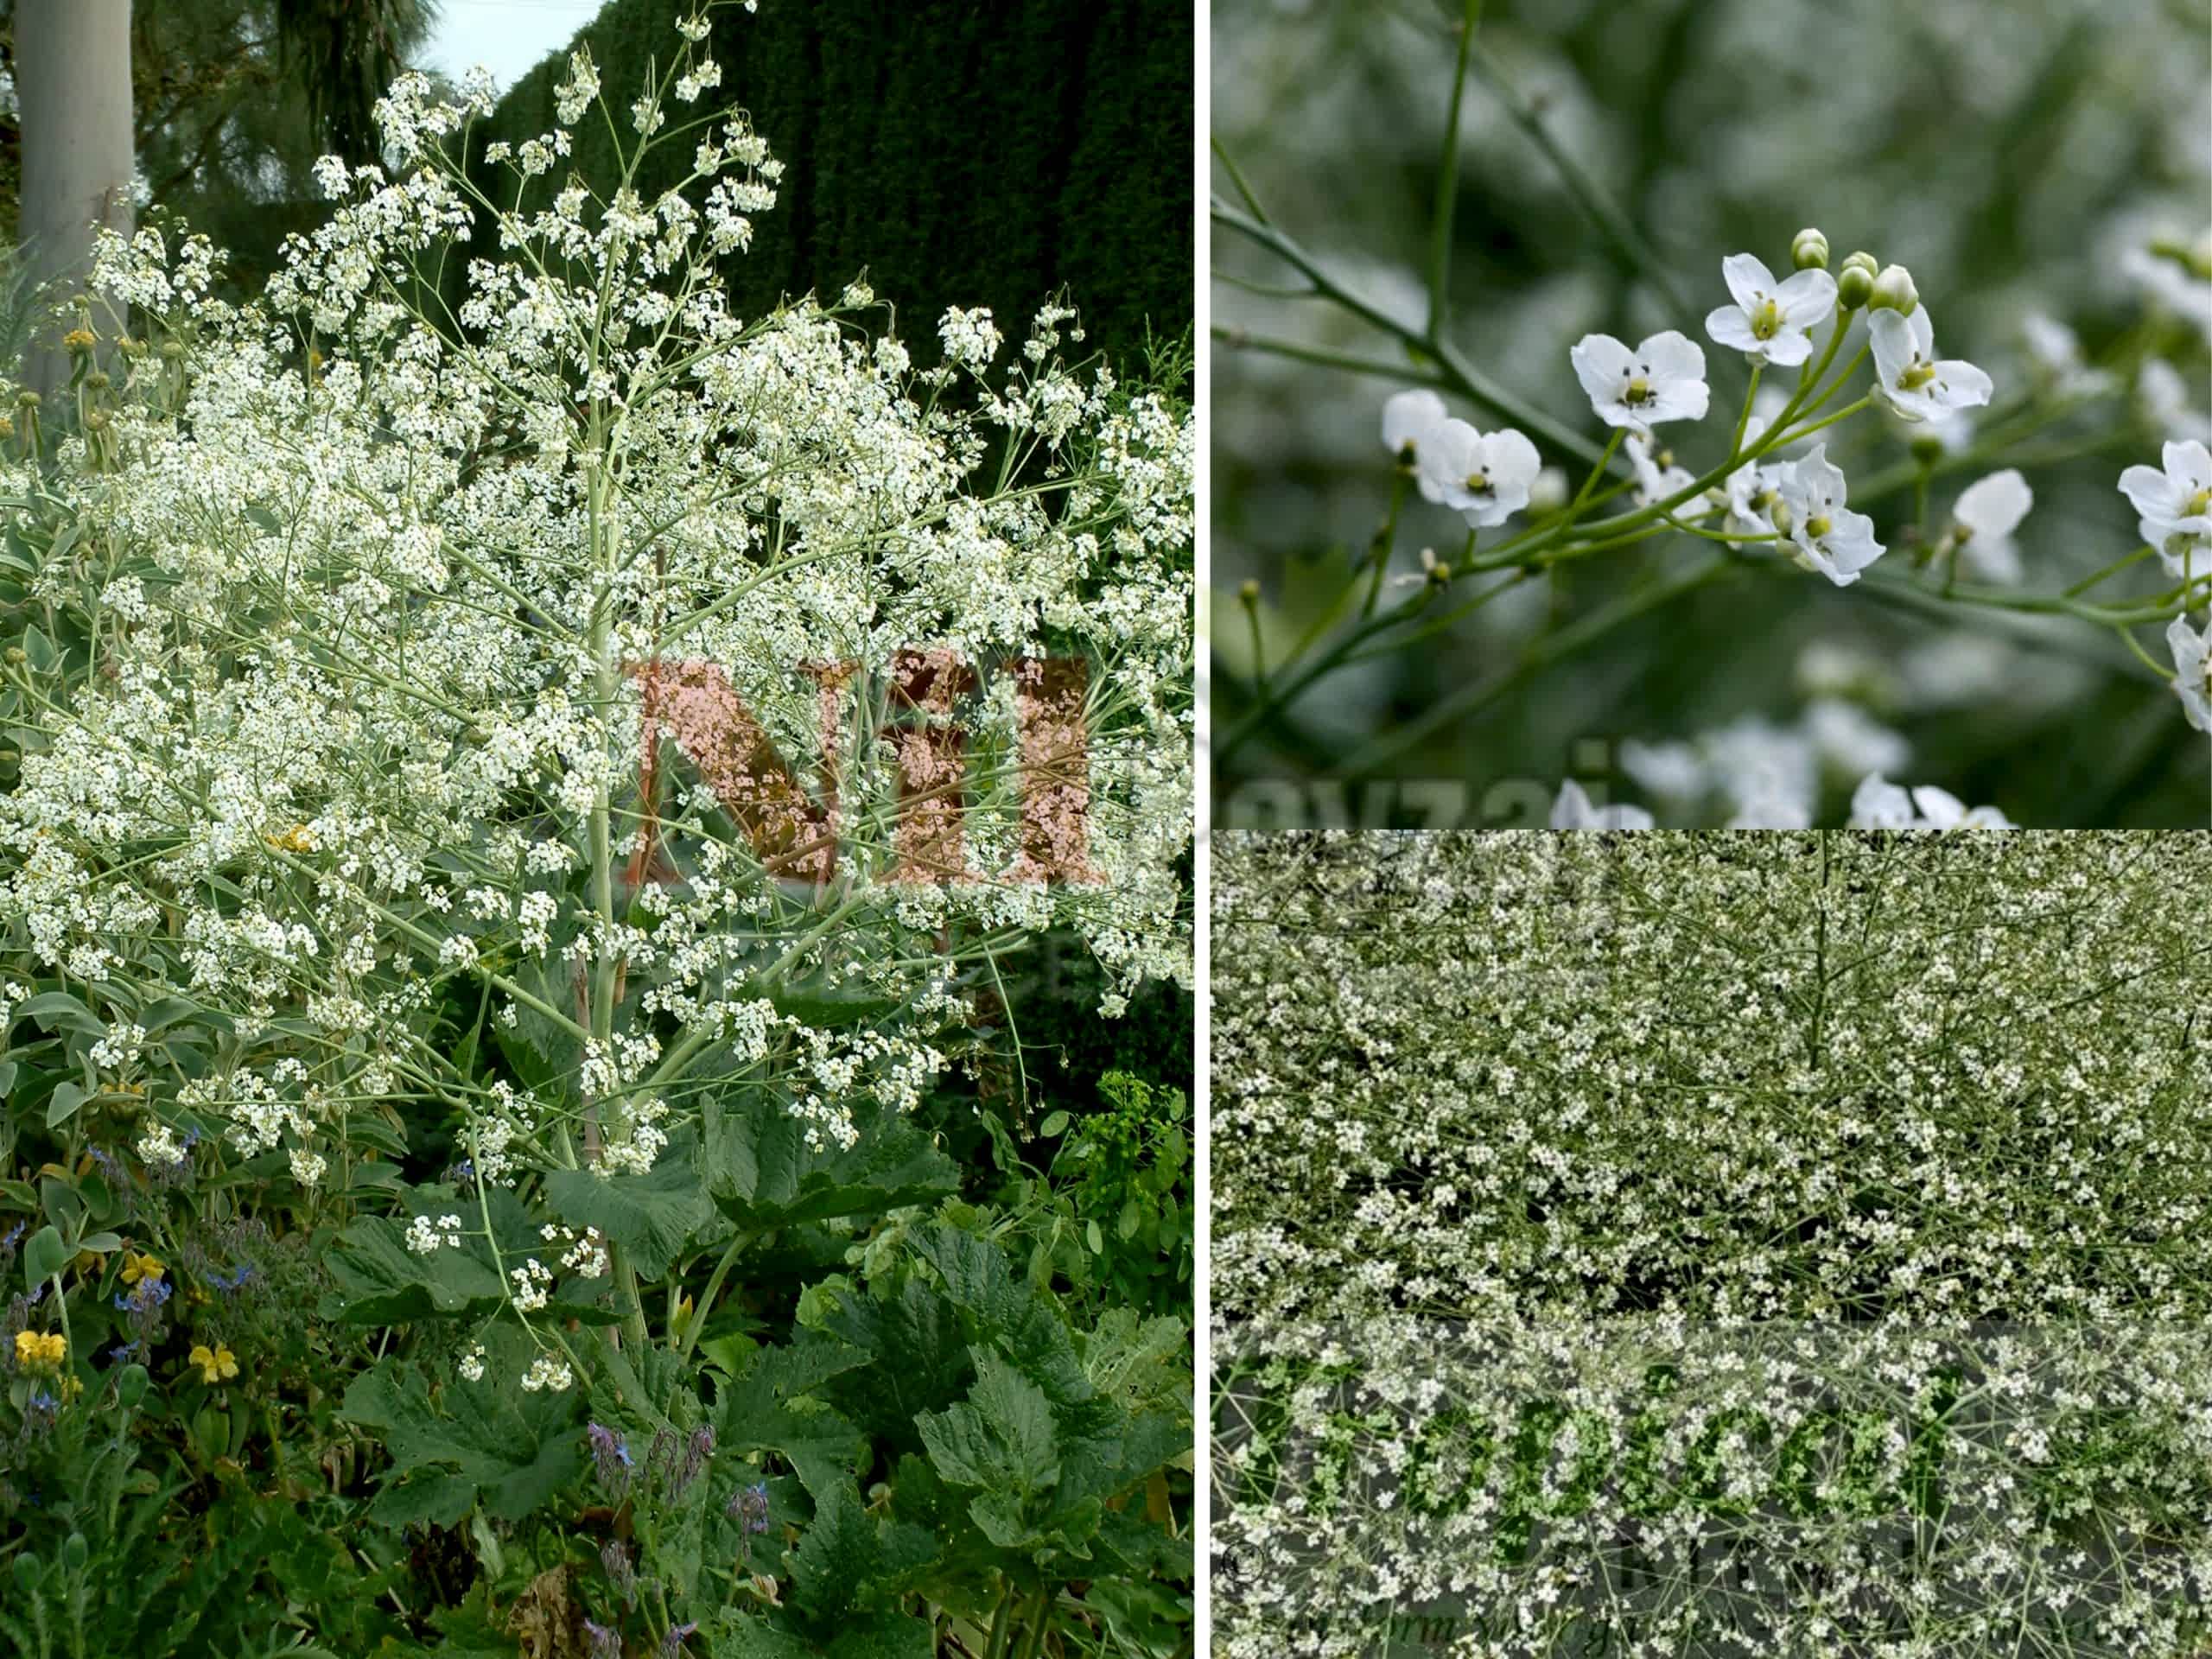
(1808, 249)
(172, 350)
(1249, 592)
(1893, 291)
(99, 380)
(1862, 260)
(1927, 449)
(28, 399)
(1854, 285)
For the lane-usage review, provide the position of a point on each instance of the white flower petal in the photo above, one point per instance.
(1729, 326)
(1603, 365)
(1807, 298)
(1669, 355)
(1748, 279)
(1994, 506)
(1408, 417)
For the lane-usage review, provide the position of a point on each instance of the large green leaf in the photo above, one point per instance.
(381, 1281)
(767, 1407)
(62, 1011)
(764, 1174)
(652, 1216)
(488, 1442)
(850, 1563)
(1001, 1435)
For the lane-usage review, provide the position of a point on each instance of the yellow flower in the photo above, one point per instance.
(297, 839)
(80, 340)
(41, 1352)
(218, 1365)
(137, 1266)
(71, 1387)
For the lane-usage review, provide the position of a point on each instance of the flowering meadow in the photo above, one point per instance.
(1786, 1245)
(1724, 408)
(526, 834)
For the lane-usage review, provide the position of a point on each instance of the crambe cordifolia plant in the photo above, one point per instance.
(705, 705)
(1758, 455)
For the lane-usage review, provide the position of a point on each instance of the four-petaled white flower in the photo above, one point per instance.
(2193, 670)
(1483, 476)
(1406, 419)
(1572, 810)
(1770, 322)
(1662, 379)
(2176, 504)
(1982, 523)
(1878, 804)
(1823, 534)
(1910, 378)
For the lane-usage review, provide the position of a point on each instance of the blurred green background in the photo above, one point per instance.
(2019, 157)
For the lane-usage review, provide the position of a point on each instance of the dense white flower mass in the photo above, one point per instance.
(1745, 1244)
(621, 659)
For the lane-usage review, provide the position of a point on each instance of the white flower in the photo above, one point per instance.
(2193, 670)
(1675, 770)
(1771, 322)
(1754, 488)
(1852, 740)
(1572, 810)
(1825, 535)
(545, 1372)
(1876, 804)
(2057, 354)
(2175, 503)
(1773, 812)
(1987, 512)
(1408, 419)
(1482, 477)
(2055, 348)
(308, 1168)
(1909, 375)
(472, 1364)
(1662, 379)
(2173, 285)
(2164, 398)
(1657, 477)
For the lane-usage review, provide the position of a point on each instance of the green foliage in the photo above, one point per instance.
(954, 154)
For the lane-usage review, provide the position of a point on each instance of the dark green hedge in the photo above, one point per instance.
(960, 154)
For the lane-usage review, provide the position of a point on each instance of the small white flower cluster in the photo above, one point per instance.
(533, 1285)
(426, 1236)
(545, 1372)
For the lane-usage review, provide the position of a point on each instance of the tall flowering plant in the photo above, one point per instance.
(580, 716)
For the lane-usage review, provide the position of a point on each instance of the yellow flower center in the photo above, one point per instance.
(1639, 391)
(1766, 320)
(1916, 374)
(1818, 526)
(2199, 504)
(1478, 483)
